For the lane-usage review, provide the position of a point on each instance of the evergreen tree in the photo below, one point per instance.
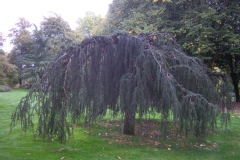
(131, 75)
(34, 50)
(35, 63)
(208, 29)
(21, 53)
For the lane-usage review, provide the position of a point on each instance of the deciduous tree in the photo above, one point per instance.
(35, 48)
(208, 29)
(8, 72)
(88, 25)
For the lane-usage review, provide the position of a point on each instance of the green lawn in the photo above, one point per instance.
(104, 141)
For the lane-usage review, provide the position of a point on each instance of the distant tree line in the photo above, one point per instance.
(208, 29)
(34, 47)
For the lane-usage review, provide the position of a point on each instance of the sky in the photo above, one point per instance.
(35, 10)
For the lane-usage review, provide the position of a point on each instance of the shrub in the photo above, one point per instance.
(5, 88)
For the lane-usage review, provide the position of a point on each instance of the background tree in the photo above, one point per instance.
(2, 52)
(208, 29)
(21, 37)
(58, 31)
(88, 26)
(35, 63)
(8, 72)
(132, 75)
(135, 16)
(52, 37)
(22, 42)
(101, 28)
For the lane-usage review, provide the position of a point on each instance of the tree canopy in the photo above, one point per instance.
(35, 48)
(21, 36)
(90, 25)
(127, 74)
(208, 29)
(8, 72)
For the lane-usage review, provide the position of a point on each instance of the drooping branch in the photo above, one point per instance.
(127, 74)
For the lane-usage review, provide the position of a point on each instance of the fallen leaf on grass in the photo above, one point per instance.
(119, 157)
(60, 149)
(202, 145)
(156, 143)
(169, 149)
(213, 145)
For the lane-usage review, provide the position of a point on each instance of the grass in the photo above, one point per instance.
(105, 142)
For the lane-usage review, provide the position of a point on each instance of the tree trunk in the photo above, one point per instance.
(129, 120)
(235, 80)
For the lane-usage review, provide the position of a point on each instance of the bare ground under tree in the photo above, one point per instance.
(237, 107)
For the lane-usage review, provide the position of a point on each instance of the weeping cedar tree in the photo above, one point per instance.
(128, 74)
